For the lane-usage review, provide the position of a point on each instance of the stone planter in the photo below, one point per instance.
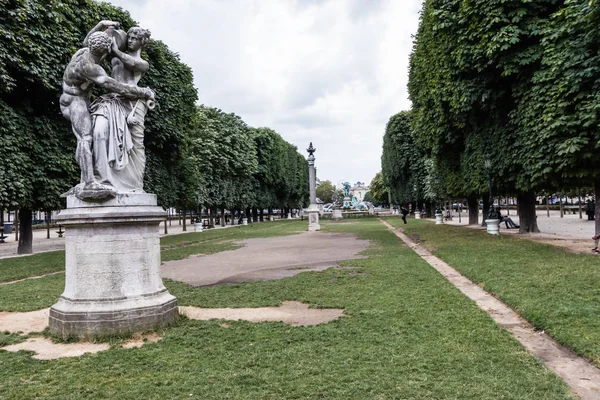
(198, 227)
(493, 226)
(439, 218)
(417, 214)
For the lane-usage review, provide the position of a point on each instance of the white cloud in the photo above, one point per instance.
(331, 72)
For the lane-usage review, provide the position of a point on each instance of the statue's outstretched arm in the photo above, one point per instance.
(101, 25)
(132, 63)
(99, 77)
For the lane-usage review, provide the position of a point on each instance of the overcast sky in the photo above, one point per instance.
(330, 72)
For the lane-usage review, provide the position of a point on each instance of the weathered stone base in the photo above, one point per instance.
(337, 214)
(313, 220)
(112, 274)
(102, 318)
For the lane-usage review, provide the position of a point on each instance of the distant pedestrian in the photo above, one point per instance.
(591, 210)
(404, 212)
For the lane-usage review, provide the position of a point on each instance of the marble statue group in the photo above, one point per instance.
(112, 244)
(109, 130)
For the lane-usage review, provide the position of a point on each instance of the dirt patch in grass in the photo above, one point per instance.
(26, 322)
(290, 312)
(139, 340)
(45, 349)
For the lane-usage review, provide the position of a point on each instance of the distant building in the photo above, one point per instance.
(359, 190)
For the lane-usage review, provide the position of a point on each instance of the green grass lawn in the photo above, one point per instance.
(409, 334)
(15, 268)
(557, 291)
(174, 247)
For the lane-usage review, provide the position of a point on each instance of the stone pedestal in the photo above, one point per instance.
(244, 221)
(417, 214)
(313, 219)
(337, 214)
(347, 202)
(271, 218)
(493, 226)
(198, 227)
(289, 215)
(112, 277)
(439, 218)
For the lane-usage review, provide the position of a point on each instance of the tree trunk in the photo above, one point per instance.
(484, 210)
(184, 221)
(527, 217)
(547, 206)
(262, 215)
(166, 220)
(429, 209)
(179, 216)
(560, 206)
(597, 197)
(48, 218)
(248, 215)
(473, 204)
(16, 225)
(255, 214)
(233, 216)
(580, 208)
(211, 217)
(26, 235)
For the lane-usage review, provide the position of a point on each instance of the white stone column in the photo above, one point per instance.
(313, 209)
(112, 275)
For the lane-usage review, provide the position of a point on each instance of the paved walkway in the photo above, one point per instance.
(42, 244)
(267, 258)
(569, 232)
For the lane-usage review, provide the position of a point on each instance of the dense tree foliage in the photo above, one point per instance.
(473, 73)
(378, 190)
(193, 154)
(325, 191)
(559, 113)
(403, 161)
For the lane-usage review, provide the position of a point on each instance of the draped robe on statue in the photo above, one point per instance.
(119, 155)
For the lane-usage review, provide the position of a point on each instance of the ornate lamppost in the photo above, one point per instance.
(313, 209)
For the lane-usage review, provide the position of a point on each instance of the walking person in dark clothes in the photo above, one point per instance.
(404, 212)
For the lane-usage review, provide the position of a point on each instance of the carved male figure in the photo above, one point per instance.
(118, 121)
(82, 73)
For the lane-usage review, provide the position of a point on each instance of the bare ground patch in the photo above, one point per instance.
(290, 312)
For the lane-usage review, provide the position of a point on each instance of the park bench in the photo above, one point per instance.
(60, 231)
(573, 209)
